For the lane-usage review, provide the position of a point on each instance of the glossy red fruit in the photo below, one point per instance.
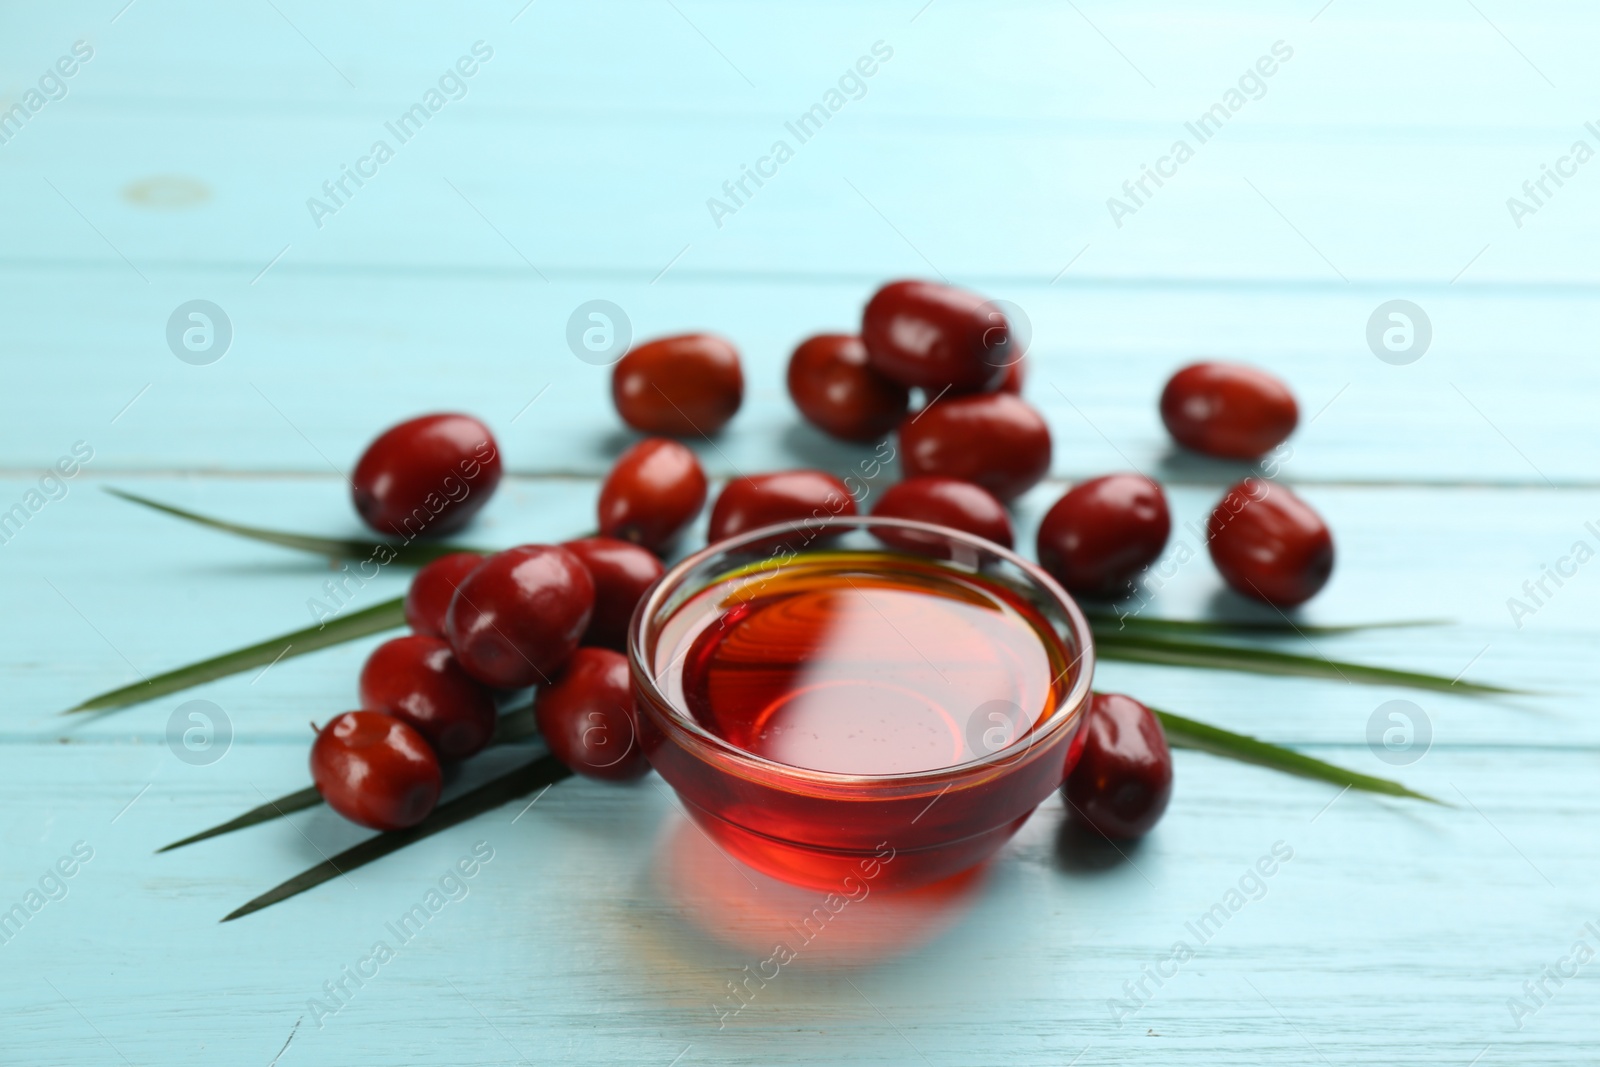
(995, 439)
(375, 770)
(517, 619)
(1122, 780)
(1016, 375)
(622, 574)
(428, 598)
(1228, 410)
(1098, 537)
(428, 475)
(945, 502)
(783, 496)
(1269, 544)
(838, 393)
(655, 489)
(418, 681)
(587, 717)
(679, 386)
(936, 337)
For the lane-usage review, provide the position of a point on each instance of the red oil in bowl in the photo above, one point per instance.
(834, 664)
(860, 713)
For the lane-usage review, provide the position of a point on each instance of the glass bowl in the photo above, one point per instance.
(822, 828)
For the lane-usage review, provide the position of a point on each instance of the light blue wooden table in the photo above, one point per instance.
(575, 163)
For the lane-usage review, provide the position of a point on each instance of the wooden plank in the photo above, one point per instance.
(1297, 203)
(586, 937)
(1373, 178)
(319, 364)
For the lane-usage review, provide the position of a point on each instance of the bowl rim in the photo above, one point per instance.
(681, 728)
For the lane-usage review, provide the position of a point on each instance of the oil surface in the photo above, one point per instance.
(862, 663)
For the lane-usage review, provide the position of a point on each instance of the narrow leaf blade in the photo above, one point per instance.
(1226, 657)
(1187, 733)
(515, 725)
(544, 771)
(1111, 625)
(388, 615)
(413, 553)
(288, 804)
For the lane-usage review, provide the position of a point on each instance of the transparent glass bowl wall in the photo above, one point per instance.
(818, 828)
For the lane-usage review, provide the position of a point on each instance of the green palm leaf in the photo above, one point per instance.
(1133, 648)
(1132, 639)
(516, 725)
(542, 772)
(1187, 733)
(288, 804)
(410, 553)
(1216, 656)
(1134, 625)
(388, 615)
